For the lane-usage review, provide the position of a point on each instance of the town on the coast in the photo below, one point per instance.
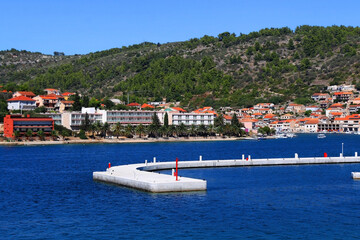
(58, 115)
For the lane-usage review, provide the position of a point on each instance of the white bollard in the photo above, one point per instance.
(200, 158)
(172, 172)
(243, 157)
(341, 155)
(296, 156)
(356, 154)
(154, 159)
(145, 162)
(249, 157)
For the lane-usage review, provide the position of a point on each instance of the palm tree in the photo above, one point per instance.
(117, 129)
(181, 130)
(172, 130)
(29, 133)
(93, 129)
(16, 134)
(202, 130)
(53, 134)
(105, 129)
(129, 131)
(220, 130)
(98, 127)
(163, 131)
(152, 130)
(211, 130)
(140, 130)
(41, 134)
(192, 130)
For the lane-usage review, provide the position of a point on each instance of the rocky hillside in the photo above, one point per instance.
(269, 65)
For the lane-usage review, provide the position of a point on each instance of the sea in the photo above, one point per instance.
(47, 192)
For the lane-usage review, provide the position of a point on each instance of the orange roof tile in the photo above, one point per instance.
(21, 98)
(179, 109)
(343, 93)
(27, 93)
(336, 113)
(227, 117)
(145, 105)
(133, 104)
(51, 89)
(312, 121)
(68, 93)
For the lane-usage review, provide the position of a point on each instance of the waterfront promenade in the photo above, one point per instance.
(143, 177)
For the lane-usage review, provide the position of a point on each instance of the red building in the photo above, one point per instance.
(23, 124)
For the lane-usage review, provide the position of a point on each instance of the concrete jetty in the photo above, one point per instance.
(143, 176)
(355, 175)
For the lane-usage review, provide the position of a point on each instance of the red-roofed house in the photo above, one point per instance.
(145, 105)
(249, 124)
(349, 123)
(67, 95)
(356, 100)
(295, 108)
(320, 96)
(21, 103)
(48, 101)
(64, 105)
(269, 117)
(311, 125)
(24, 93)
(135, 104)
(227, 119)
(343, 96)
(52, 91)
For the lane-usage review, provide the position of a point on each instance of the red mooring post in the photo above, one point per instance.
(176, 172)
(325, 154)
(109, 165)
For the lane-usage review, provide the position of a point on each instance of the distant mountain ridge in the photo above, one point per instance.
(275, 65)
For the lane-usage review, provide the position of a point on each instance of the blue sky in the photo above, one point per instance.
(79, 26)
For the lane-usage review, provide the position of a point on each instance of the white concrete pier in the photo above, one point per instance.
(355, 175)
(141, 176)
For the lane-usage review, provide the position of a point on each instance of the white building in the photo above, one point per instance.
(74, 120)
(191, 118)
(21, 103)
(129, 117)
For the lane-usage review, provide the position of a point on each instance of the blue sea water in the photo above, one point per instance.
(47, 192)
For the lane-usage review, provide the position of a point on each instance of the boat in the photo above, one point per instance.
(290, 135)
(281, 135)
(321, 135)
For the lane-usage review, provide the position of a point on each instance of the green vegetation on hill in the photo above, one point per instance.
(275, 65)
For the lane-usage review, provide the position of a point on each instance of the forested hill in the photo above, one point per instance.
(235, 70)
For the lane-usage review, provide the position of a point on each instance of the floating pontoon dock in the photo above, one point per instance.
(142, 176)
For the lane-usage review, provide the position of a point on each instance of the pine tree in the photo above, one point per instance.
(166, 120)
(77, 103)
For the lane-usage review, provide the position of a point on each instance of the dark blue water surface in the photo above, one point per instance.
(47, 192)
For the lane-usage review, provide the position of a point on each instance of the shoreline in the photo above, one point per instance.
(120, 141)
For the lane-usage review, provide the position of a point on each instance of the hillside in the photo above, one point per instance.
(274, 65)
